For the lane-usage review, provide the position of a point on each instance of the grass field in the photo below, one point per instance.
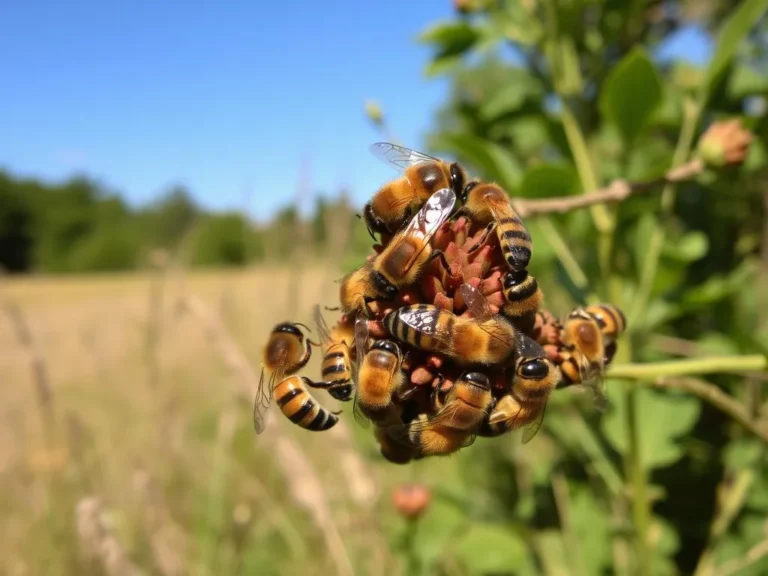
(145, 417)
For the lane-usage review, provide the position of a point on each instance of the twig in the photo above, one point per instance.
(691, 366)
(616, 191)
(302, 479)
(719, 399)
(735, 566)
(97, 542)
(37, 364)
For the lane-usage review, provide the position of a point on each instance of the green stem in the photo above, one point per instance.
(651, 262)
(411, 554)
(691, 366)
(565, 256)
(635, 471)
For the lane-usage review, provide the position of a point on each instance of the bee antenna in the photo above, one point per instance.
(359, 217)
(303, 326)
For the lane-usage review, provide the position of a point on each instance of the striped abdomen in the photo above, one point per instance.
(300, 407)
(523, 296)
(509, 414)
(514, 239)
(336, 371)
(570, 370)
(610, 318)
(418, 324)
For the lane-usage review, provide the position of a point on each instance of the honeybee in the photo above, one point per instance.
(534, 379)
(610, 318)
(336, 370)
(583, 353)
(523, 296)
(300, 407)
(401, 262)
(423, 175)
(488, 204)
(286, 352)
(485, 339)
(465, 407)
(378, 378)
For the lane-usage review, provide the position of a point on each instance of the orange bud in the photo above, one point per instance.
(411, 500)
(725, 143)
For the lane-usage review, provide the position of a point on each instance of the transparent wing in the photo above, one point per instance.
(399, 157)
(425, 322)
(476, 302)
(436, 210)
(322, 329)
(443, 418)
(361, 348)
(533, 428)
(264, 394)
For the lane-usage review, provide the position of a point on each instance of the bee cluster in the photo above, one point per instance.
(442, 337)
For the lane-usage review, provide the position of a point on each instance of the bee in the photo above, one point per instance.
(336, 369)
(397, 200)
(488, 204)
(611, 319)
(286, 352)
(401, 262)
(485, 339)
(461, 413)
(583, 353)
(534, 379)
(523, 296)
(379, 378)
(300, 407)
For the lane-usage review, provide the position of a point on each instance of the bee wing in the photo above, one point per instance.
(436, 210)
(533, 428)
(264, 394)
(425, 322)
(361, 348)
(500, 209)
(476, 302)
(399, 157)
(443, 418)
(322, 328)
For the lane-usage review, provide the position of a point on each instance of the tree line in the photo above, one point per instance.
(79, 225)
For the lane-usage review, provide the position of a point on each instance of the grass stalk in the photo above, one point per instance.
(691, 367)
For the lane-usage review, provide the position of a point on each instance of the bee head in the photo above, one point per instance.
(290, 328)
(386, 345)
(535, 369)
(457, 179)
(384, 286)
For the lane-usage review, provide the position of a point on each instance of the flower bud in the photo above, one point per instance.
(411, 500)
(724, 143)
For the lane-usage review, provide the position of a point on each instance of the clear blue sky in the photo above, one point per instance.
(217, 96)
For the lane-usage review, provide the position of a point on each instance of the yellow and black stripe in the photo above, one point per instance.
(610, 318)
(524, 297)
(300, 407)
(337, 373)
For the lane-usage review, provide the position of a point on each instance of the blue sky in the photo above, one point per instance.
(143, 95)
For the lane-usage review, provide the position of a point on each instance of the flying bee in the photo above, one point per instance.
(286, 352)
(534, 379)
(423, 175)
(611, 319)
(379, 378)
(460, 414)
(300, 407)
(336, 369)
(583, 353)
(487, 338)
(488, 204)
(403, 259)
(523, 296)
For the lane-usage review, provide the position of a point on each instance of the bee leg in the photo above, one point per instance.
(334, 309)
(368, 300)
(488, 229)
(404, 395)
(439, 254)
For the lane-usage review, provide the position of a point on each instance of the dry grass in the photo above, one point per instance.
(186, 485)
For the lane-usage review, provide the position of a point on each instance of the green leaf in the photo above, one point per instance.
(746, 81)
(493, 161)
(547, 180)
(590, 524)
(631, 93)
(731, 34)
(452, 40)
(664, 416)
(488, 548)
(435, 529)
(691, 247)
(511, 97)
(717, 287)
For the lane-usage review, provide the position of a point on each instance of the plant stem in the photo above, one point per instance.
(565, 256)
(411, 554)
(636, 474)
(691, 366)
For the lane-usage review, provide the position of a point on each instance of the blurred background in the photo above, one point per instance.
(175, 179)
